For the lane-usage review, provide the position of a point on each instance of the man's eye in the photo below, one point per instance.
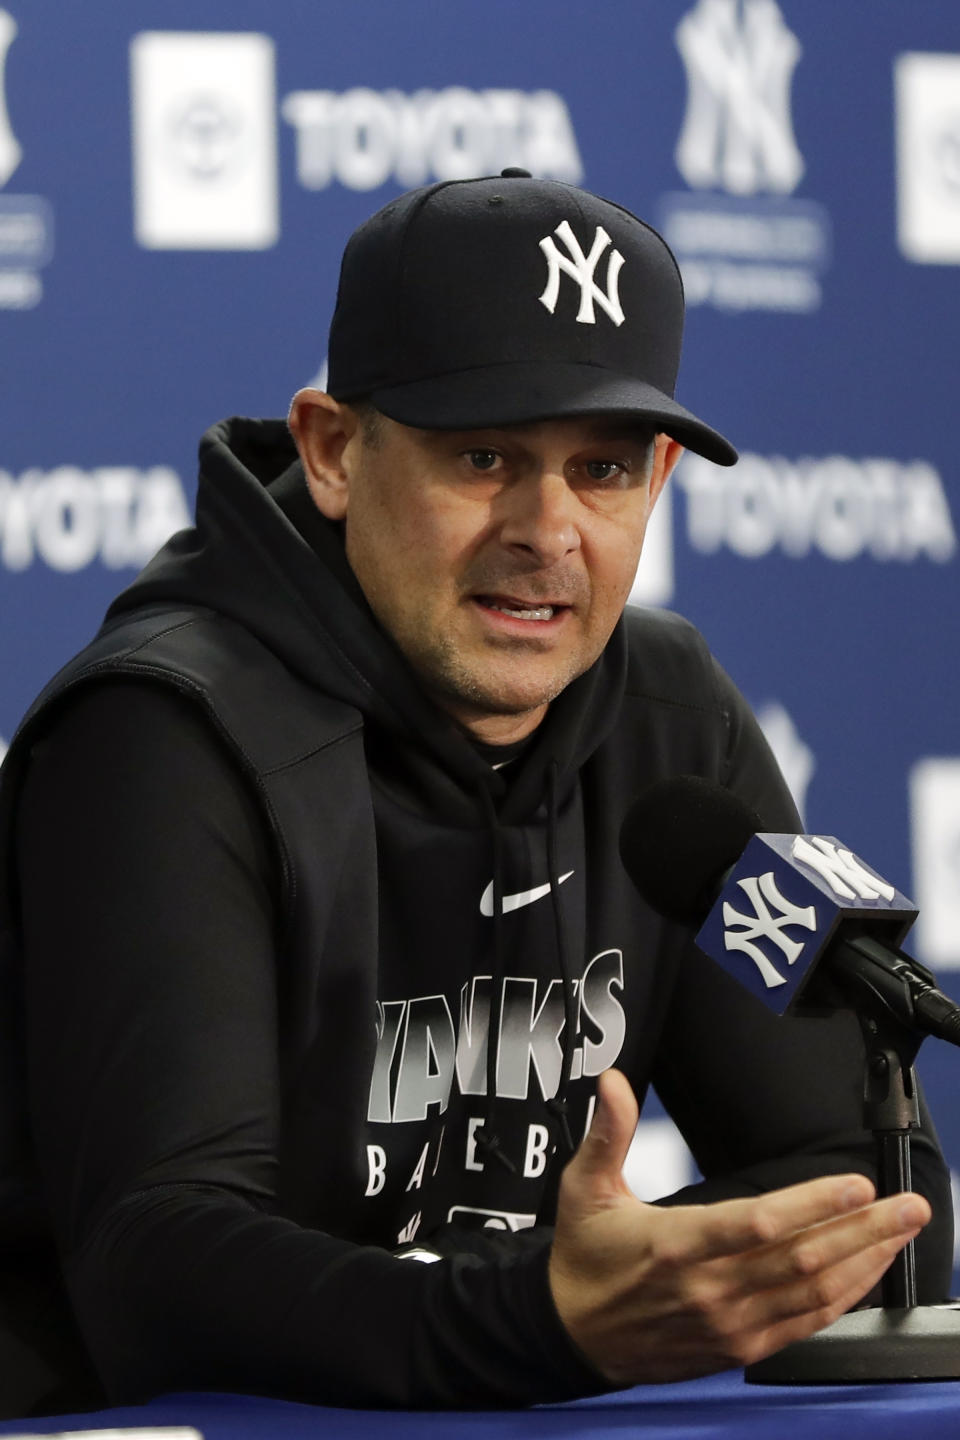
(483, 459)
(602, 469)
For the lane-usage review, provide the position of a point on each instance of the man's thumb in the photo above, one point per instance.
(605, 1146)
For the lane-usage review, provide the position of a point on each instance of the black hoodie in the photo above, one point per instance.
(299, 900)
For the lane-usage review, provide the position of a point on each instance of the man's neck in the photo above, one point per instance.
(499, 755)
(499, 729)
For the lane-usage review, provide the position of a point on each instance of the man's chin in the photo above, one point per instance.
(481, 703)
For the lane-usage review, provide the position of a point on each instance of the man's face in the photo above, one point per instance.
(499, 560)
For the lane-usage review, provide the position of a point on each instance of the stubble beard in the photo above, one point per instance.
(460, 688)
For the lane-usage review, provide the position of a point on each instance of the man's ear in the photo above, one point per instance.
(665, 456)
(323, 429)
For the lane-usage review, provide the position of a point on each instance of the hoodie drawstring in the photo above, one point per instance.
(486, 1137)
(557, 1107)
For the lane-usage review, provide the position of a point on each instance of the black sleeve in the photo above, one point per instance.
(149, 921)
(765, 1101)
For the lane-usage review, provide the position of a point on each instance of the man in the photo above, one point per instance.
(327, 952)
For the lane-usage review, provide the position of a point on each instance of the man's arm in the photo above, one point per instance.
(151, 954)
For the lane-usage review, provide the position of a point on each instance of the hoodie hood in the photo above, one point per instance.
(261, 554)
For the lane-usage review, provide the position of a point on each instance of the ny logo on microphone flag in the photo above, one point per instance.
(783, 903)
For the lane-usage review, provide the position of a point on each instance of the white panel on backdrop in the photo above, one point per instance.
(10, 151)
(928, 157)
(792, 753)
(203, 110)
(654, 580)
(955, 1192)
(935, 827)
(658, 1161)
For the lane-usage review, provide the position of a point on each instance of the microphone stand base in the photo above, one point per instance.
(867, 1346)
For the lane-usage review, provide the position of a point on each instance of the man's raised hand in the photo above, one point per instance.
(653, 1294)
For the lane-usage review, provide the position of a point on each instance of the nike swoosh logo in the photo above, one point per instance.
(522, 897)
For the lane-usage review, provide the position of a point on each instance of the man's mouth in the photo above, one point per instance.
(519, 609)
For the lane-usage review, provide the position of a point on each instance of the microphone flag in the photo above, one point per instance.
(784, 903)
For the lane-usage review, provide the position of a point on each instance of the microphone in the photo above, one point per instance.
(793, 918)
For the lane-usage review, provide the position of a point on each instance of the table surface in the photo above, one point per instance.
(720, 1407)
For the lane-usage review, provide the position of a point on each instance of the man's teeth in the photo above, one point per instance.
(543, 612)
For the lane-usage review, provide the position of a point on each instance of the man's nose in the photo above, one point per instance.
(539, 517)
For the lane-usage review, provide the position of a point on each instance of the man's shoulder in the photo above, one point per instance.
(273, 716)
(668, 659)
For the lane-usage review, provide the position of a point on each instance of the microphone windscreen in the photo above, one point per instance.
(678, 840)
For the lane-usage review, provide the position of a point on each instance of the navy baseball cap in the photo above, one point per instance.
(503, 300)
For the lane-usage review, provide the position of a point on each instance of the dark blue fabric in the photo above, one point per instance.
(720, 1407)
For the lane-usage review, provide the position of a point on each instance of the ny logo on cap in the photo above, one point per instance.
(580, 267)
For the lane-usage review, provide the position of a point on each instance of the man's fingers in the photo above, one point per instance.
(835, 1287)
(733, 1227)
(779, 1318)
(791, 1290)
(819, 1248)
(598, 1162)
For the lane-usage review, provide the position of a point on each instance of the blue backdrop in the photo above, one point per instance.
(177, 181)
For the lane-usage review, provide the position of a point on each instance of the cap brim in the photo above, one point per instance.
(516, 394)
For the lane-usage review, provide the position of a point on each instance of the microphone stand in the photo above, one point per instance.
(899, 1340)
